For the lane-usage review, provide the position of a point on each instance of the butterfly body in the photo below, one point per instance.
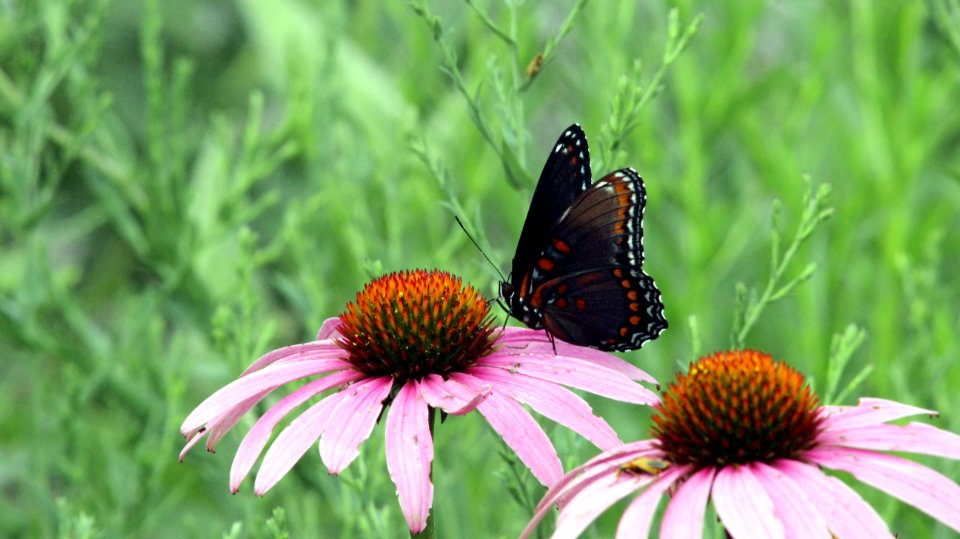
(577, 270)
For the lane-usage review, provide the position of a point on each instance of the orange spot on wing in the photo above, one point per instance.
(561, 246)
(581, 303)
(546, 264)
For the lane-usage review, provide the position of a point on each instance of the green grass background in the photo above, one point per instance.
(187, 185)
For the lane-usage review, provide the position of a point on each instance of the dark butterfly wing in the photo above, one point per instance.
(586, 281)
(565, 176)
(611, 310)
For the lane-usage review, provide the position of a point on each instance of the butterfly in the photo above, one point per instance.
(577, 270)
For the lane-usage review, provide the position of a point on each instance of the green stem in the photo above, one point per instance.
(14, 98)
(428, 530)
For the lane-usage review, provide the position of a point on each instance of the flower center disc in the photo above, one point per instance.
(736, 407)
(414, 323)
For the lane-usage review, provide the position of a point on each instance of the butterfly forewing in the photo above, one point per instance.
(565, 176)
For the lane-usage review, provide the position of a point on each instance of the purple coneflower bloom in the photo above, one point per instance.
(746, 433)
(415, 341)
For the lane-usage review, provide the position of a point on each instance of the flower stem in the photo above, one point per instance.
(428, 530)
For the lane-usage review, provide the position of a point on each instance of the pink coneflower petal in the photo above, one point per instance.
(294, 441)
(578, 479)
(330, 329)
(554, 402)
(295, 353)
(530, 341)
(638, 517)
(800, 517)
(260, 382)
(594, 500)
(192, 440)
(743, 505)
(450, 396)
(574, 372)
(218, 428)
(915, 484)
(913, 438)
(684, 515)
(846, 513)
(409, 446)
(581, 477)
(519, 430)
(355, 418)
(868, 411)
(258, 435)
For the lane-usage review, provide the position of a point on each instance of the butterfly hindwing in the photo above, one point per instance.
(609, 309)
(595, 291)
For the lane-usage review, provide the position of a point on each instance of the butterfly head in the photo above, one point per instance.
(518, 307)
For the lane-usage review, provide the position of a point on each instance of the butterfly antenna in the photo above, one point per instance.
(477, 245)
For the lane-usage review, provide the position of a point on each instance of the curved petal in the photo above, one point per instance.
(258, 435)
(262, 381)
(219, 427)
(622, 464)
(637, 518)
(294, 441)
(536, 341)
(354, 420)
(684, 515)
(299, 352)
(915, 484)
(868, 411)
(574, 372)
(584, 508)
(450, 396)
(409, 446)
(912, 438)
(554, 402)
(519, 430)
(192, 441)
(743, 505)
(567, 488)
(846, 513)
(330, 329)
(800, 517)
(607, 462)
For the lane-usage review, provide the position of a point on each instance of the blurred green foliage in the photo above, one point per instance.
(186, 185)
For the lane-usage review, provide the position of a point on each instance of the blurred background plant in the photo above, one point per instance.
(186, 185)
